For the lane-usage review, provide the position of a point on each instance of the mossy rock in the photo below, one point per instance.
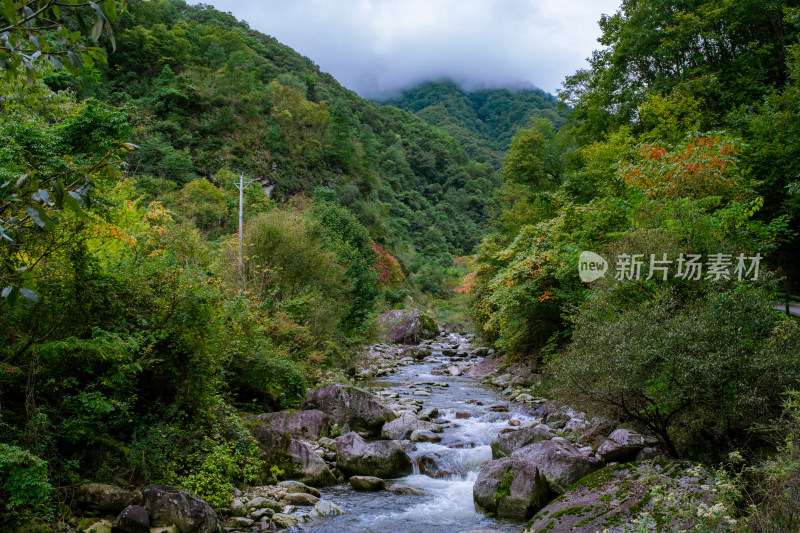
(616, 498)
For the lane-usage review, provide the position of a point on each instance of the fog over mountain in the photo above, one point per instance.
(376, 47)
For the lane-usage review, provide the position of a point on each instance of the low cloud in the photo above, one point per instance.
(375, 47)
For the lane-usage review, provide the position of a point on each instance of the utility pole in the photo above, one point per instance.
(241, 185)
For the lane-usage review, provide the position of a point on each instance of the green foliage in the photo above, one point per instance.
(35, 34)
(24, 485)
(698, 373)
(775, 481)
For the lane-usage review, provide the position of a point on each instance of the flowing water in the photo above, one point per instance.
(448, 505)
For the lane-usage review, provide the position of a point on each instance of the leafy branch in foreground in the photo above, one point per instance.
(32, 32)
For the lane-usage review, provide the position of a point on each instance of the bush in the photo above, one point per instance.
(23, 481)
(776, 481)
(698, 374)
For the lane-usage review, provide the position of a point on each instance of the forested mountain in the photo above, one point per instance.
(483, 121)
(208, 93)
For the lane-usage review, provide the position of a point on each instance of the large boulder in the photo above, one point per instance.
(407, 326)
(510, 488)
(133, 519)
(617, 498)
(357, 408)
(306, 425)
(168, 505)
(294, 457)
(507, 443)
(440, 466)
(621, 446)
(383, 458)
(402, 427)
(103, 499)
(560, 463)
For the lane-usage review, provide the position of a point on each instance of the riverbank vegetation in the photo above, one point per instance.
(678, 143)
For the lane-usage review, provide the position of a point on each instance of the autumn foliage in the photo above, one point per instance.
(703, 166)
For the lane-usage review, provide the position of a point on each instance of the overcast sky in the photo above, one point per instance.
(378, 46)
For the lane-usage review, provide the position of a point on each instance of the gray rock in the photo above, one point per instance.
(89, 525)
(621, 446)
(560, 463)
(422, 435)
(296, 486)
(367, 483)
(429, 414)
(168, 505)
(258, 514)
(242, 521)
(326, 508)
(504, 445)
(300, 498)
(402, 428)
(510, 488)
(650, 454)
(165, 529)
(238, 507)
(105, 499)
(357, 408)
(383, 458)
(622, 494)
(417, 353)
(295, 457)
(284, 521)
(407, 326)
(309, 424)
(133, 519)
(406, 491)
(439, 466)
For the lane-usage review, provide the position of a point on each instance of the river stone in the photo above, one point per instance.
(94, 525)
(383, 458)
(560, 463)
(505, 444)
(619, 495)
(300, 498)
(357, 408)
(428, 414)
(168, 505)
(133, 519)
(422, 435)
(417, 353)
(439, 466)
(407, 491)
(367, 483)
(165, 529)
(296, 486)
(105, 499)
(407, 326)
(285, 521)
(309, 424)
(402, 428)
(242, 521)
(510, 488)
(326, 508)
(621, 446)
(294, 457)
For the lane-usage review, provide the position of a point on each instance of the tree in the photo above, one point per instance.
(698, 374)
(28, 25)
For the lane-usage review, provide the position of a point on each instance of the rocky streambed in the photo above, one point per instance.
(442, 436)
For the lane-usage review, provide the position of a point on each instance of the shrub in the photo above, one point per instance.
(23, 480)
(698, 374)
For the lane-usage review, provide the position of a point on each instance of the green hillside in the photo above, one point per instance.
(483, 121)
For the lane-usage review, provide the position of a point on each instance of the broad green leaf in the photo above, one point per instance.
(41, 196)
(29, 294)
(97, 29)
(36, 216)
(10, 11)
